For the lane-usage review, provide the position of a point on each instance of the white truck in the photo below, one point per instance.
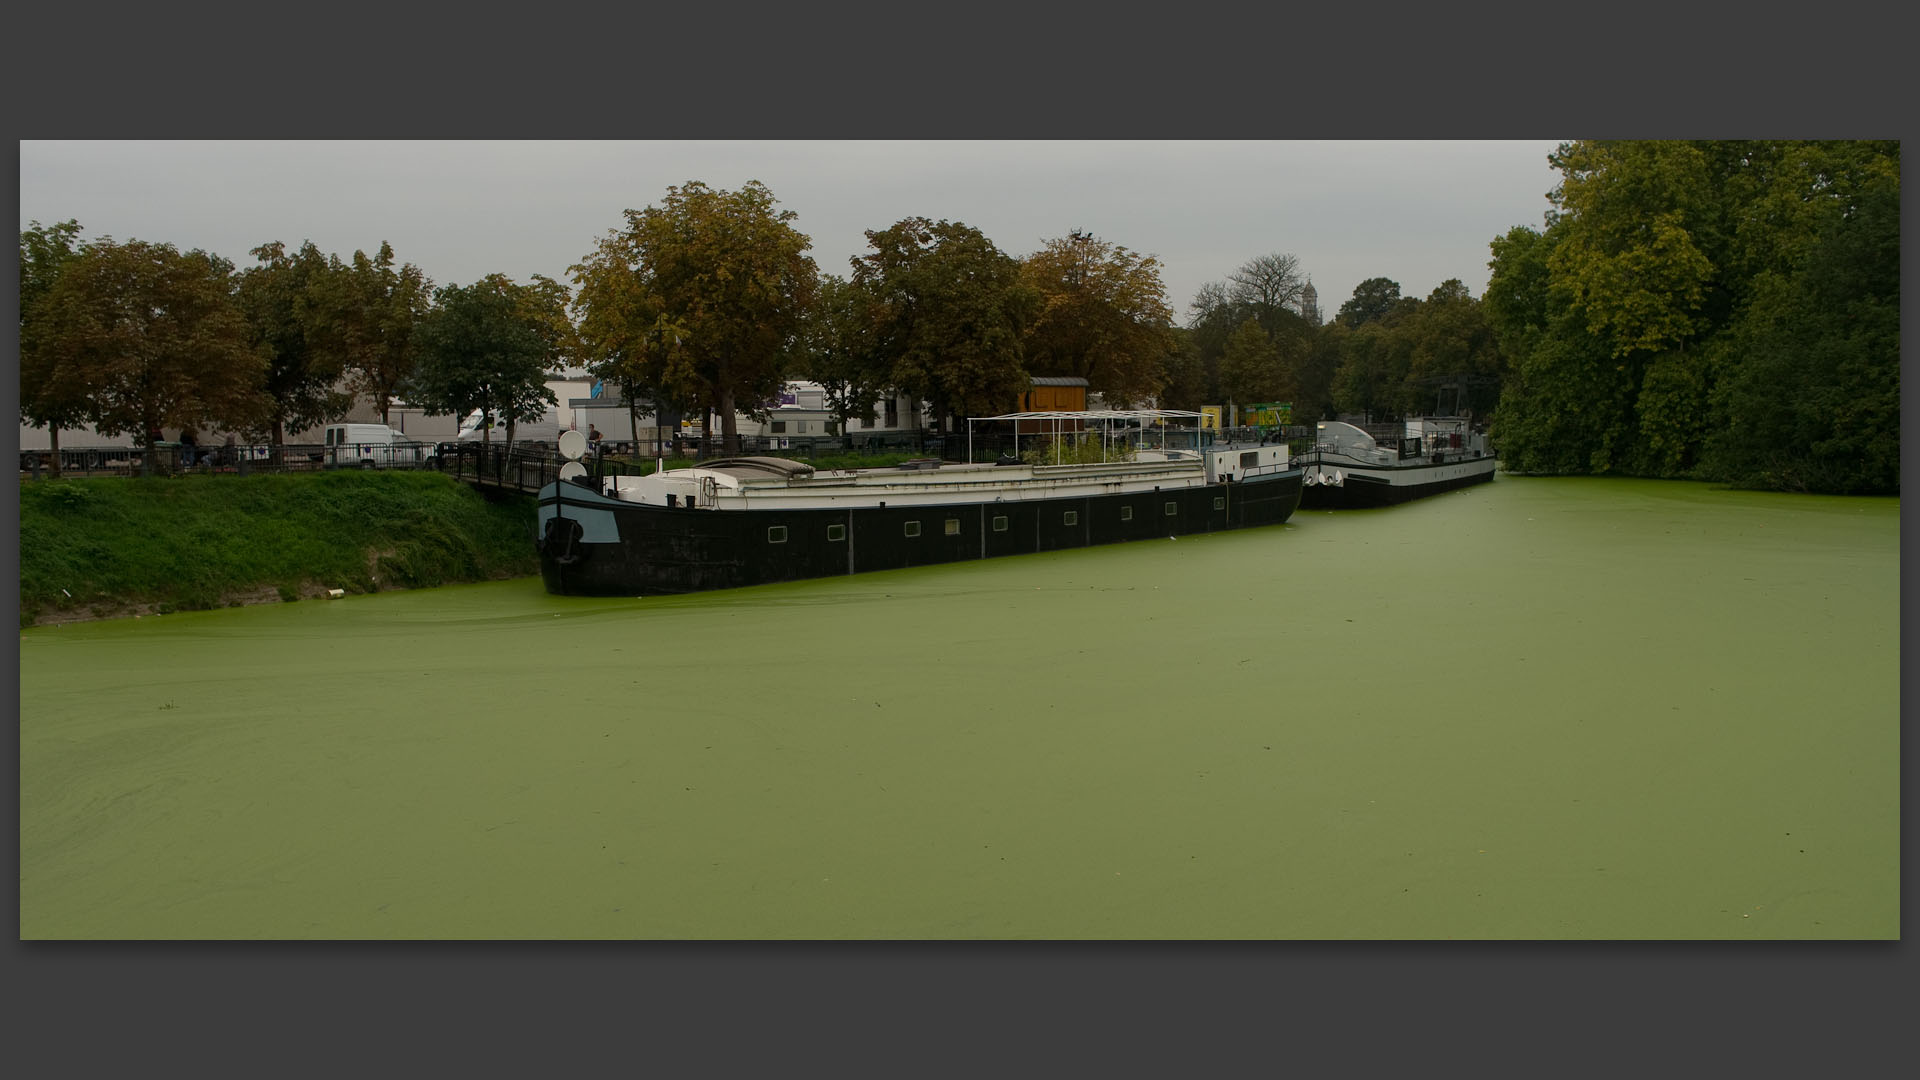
(543, 433)
(372, 446)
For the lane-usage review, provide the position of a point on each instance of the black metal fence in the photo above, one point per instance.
(525, 468)
(176, 459)
(172, 459)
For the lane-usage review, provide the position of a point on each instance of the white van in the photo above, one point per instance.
(543, 433)
(372, 446)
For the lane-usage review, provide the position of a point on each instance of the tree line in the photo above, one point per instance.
(705, 302)
(1725, 311)
(1721, 311)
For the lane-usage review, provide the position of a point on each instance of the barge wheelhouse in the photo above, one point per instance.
(1348, 468)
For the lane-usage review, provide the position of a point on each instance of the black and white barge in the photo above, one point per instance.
(755, 520)
(1348, 468)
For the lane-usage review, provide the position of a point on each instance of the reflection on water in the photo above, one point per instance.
(1536, 709)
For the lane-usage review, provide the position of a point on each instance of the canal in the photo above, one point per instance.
(1538, 709)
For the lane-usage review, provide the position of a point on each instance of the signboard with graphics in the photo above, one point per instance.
(1270, 414)
(1210, 417)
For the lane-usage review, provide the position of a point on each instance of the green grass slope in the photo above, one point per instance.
(102, 547)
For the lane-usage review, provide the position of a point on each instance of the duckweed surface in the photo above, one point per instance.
(1541, 708)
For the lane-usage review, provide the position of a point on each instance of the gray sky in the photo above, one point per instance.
(1416, 212)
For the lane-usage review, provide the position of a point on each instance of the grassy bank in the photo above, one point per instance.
(104, 547)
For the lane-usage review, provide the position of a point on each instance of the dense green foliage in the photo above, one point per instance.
(51, 395)
(1247, 341)
(109, 546)
(950, 311)
(1396, 355)
(1725, 311)
(1076, 450)
(487, 346)
(285, 318)
(837, 350)
(133, 336)
(370, 310)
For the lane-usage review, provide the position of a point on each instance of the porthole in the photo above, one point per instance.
(1071, 517)
(836, 532)
(953, 526)
(1126, 513)
(1172, 509)
(1219, 502)
(999, 523)
(913, 528)
(776, 534)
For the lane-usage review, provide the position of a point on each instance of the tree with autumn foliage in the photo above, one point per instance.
(373, 309)
(151, 337)
(952, 312)
(625, 337)
(1103, 317)
(700, 297)
(49, 397)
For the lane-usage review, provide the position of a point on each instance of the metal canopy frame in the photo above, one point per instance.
(1107, 418)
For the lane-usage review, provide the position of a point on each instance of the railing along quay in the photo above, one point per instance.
(173, 459)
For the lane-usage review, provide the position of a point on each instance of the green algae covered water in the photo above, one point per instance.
(1540, 708)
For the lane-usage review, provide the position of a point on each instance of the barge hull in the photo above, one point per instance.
(1362, 490)
(593, 545)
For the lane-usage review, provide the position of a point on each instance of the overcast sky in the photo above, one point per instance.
(1416, 212)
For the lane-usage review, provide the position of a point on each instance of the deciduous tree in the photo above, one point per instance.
(1103, 316)
(1266, 284)
(49, 397)
(625, 336)
(1643, 324)
(726, 276)
(481, 349)
(838, 350)
(952, 312)
(1454, 361)
(153, 339)
(1813, 403)
(1371, 378)
(1267, 289)
(1372, 299)
(1188, 386)
(373, 310)
(284, 301)
(1251, 371)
